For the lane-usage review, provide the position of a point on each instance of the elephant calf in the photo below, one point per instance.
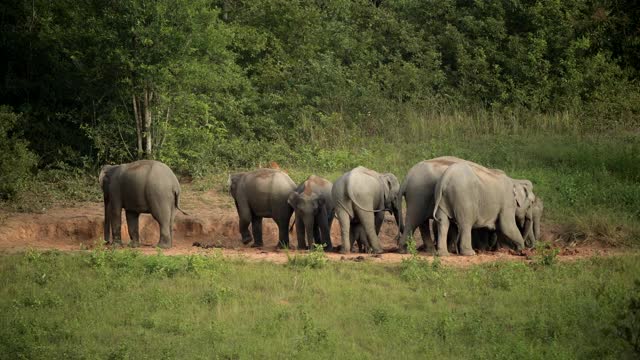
(140, 187)
(258, 194)
(314, 210)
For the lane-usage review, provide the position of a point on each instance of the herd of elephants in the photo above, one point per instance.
(468, 205)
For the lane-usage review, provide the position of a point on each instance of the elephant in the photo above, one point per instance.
(478, 198)
(140, 187)
(262, 193)
(364, 195)
(314, 210)
(418, 190)
(535, 215)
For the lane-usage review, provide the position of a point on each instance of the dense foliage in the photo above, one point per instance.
(215, 83)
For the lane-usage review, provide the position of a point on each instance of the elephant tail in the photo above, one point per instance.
(177, 201)
(439, 189)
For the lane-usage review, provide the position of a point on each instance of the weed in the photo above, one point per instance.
(316, 259)
(628, 324)
(414, 268)
(546, 254)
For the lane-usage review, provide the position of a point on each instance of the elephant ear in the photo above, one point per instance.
(293, 199)
(103, 178)
(519, 195)
(392, 188)
(232, 183)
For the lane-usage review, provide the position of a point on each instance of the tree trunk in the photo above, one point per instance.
(148, 97)
(136, 113)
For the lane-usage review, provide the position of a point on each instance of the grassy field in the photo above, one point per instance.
(121, 305)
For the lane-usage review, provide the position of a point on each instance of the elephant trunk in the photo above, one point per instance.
(397, 214)
(308, 226)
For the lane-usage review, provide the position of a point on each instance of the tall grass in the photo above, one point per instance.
(117, 305)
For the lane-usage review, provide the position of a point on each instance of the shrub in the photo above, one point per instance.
(16, 161)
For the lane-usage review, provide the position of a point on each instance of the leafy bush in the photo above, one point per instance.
(315, 260)
(16, 160)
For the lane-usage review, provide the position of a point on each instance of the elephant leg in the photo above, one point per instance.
(453, 241)
(244, 219)
(443, 231)
(426, 237)
(345, 224)
(283, 232)
(511, 232)
(324, 224)
(164, 217)
(316, 236)
(464, 234)
(256, 230)
(300, 231)
(132, 224)
(115, 218)
(379, 219)
(368, 222)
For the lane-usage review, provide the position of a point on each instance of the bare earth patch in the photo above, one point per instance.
(212, 224)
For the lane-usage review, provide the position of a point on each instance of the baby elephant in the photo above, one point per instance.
(140, 187)
(314, 210)
(258, 194)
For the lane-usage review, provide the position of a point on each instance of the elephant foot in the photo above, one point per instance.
(255, 245)
(134, 244)
(116, 243)
(442, 253)
(246, 240)
(282, 246)
(467, 252)
(377, 251)
(164, 245)
(402, 250)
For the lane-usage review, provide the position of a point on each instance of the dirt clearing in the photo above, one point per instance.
(213, 224)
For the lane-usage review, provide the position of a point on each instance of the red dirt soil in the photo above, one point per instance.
(213, 223)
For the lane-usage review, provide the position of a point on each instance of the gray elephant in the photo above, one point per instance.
(140, 187)
(535, 215)
(418, 190)
(358, 238)
(477, 198)
(314, 209)
(365, 195)
(258, 194)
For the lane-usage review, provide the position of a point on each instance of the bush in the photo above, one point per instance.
(16, 161)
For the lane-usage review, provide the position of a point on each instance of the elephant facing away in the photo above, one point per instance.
(364, 195)
(258, 194)
(418, 190)
(140, 187)
(477, 198)
(314, 209)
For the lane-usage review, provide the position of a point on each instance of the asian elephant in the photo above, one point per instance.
(478, 198)
(314, 209)
(365, 195)
(358, 238)
(418, 190)
(258, 194)
(535, 217)
(140, 187)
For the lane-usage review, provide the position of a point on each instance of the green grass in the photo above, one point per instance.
(120, 304)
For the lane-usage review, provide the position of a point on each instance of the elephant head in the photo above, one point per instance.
(524, 198)
(308, 208)
(393, 198)
(103, 178)
(232, 183)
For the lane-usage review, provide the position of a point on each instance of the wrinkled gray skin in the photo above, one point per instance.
(258, 194)
(140, 187)
(364, 195)
(477, 198)
(314, 209)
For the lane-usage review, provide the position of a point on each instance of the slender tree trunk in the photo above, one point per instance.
(148, 97)
(136, 112)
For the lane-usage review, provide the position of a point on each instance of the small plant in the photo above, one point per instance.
(315, 260)
(547, 255)
(628, 324)
(414, 268)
